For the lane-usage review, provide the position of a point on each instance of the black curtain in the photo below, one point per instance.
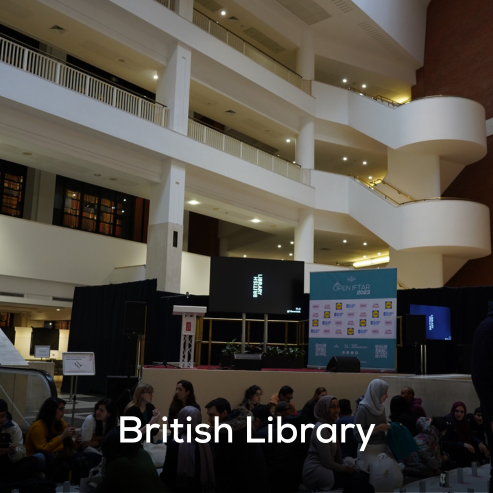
(10, 333)
(97, 326)
(44, 337)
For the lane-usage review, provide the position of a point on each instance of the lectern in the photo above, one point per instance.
(188, 321)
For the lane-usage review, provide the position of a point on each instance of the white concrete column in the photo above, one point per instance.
(186, 223)
(305, 56)
(184, 8)
(305, 143)
(173, 88)
(304, 236)
(416, 174)
(417, 270)
(165, 234)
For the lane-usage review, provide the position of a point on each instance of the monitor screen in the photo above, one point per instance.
(243, 285)
(437, 321)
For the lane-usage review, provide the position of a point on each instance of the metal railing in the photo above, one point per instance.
(398, 190)
(382, 99)
(82, 82)
(234, 147)
(231, 39)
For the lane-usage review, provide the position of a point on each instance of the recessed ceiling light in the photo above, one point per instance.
(363, 86)
(288, 140)
(124, 200)
(97, 174)
(278, 246)
(156, 76)
(369, 177)
(364, 162)
(365, 243)
(255, 220)
(294, 162)
(193, 202)
(223, 12)
(290, 254)
(123, 212)
(344, 241)
(344, 158)
(379, 253)
(344, 80)
(244, 256)
(292, 243)
(364, 256)
(58, 309)
(361, 94)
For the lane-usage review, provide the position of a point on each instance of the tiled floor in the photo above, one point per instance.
(84, 406)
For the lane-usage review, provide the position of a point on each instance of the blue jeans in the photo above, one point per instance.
(41, 460)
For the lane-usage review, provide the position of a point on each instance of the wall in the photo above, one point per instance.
(459, 61)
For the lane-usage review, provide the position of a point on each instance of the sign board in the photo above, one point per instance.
(42, 351)
(75, 364)
(188, 326)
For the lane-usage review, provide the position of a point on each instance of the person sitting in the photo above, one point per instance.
(310, 405)
(284, 409)
(252, 397)
(284, 394)
(400, 412)
(95, 426)
(49, 439)
(371, 411)
(188, 467)
(14, 465)
(428, 460)
(476, 425)
(184, 396)
(458, 441)
(261, 415)
(349, 447)
(128, 467)
(415, 403)
(323, 469)
(237, 460)
(141, 407)
(219, 407)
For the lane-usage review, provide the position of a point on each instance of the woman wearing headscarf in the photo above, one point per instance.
(323, 469)
(458, 441)
(188, 467)
(371, 411)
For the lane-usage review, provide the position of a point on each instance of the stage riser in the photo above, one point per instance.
(438, 393)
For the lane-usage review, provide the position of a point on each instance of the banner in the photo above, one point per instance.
(353, 313)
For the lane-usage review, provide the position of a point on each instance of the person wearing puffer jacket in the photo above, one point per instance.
(429, 458)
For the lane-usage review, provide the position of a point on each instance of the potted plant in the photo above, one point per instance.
(283, 357)
(228, 354)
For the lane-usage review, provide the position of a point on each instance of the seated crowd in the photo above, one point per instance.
(419, 446)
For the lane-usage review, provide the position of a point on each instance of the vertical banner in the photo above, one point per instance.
(353, 313)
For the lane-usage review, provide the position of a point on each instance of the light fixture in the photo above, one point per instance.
(373, 261)
(255, 220)
(193, 202)
(379, 253)
(123, 212)
(364, 256)
(278, 246)
(344, 158)
(73, 194)
(97, 174)
(58, 309)
(124, 200)
(290, 254)
(294, 162)
(112, 207)
(51, 323)
(292, 243)
(344, 80)
(363, 86)
(365, 243)
(156, 76)
(288, 140)
(361, 94)
(244, 256)
(364, 162)
(344, 241)
(369, 177)
(223, 12)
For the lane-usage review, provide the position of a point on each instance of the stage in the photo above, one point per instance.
(438, 392)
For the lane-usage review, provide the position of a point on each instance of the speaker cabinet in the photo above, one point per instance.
(121, 390)
(415, 329)
(245, 361)
(135, 317)
(344, 364)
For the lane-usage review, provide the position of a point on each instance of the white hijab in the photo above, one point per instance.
(373, 397)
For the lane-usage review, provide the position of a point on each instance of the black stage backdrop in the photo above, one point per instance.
(468, 307)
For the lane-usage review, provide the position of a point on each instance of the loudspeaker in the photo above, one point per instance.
(415, 329)
(135, 317)
(343, 364)
(121, 390)
(244, 361)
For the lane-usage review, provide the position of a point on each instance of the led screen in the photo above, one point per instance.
(437, 321)
(243, 285)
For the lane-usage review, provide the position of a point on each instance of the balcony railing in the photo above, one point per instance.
(218, 140)
(63, 74)
(221, 33)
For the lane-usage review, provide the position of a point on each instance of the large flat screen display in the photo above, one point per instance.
(437, 321)
(243, 285)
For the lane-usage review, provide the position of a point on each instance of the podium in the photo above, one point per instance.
(189, 318)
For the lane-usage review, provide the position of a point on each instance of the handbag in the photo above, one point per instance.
(382, 474)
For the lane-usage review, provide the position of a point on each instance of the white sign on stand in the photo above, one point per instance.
(189, 317)
(42, 351)
(75, 364)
